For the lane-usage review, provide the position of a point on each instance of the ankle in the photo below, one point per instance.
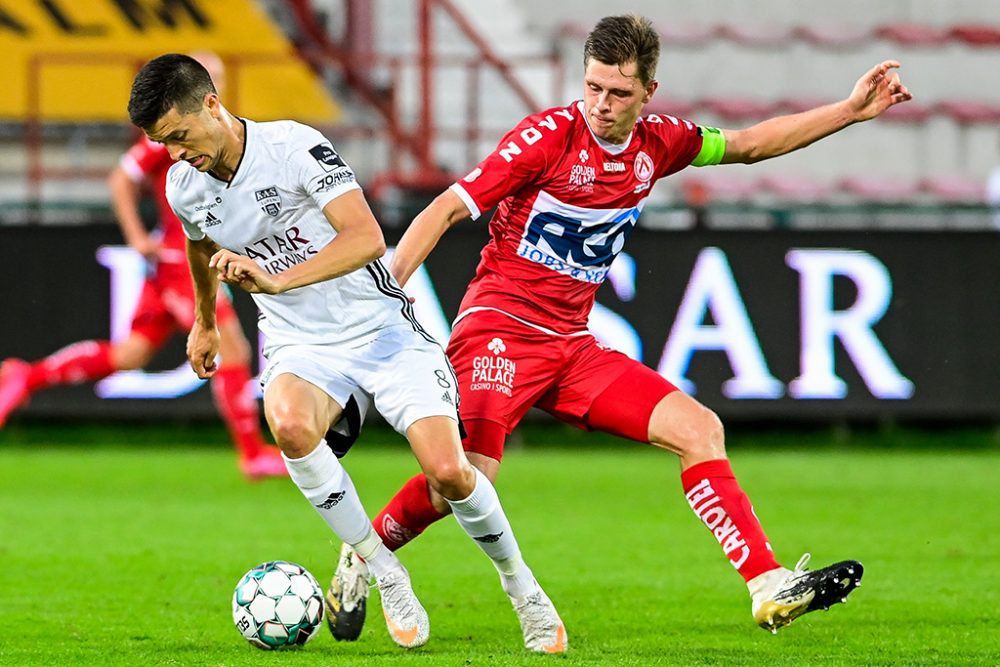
(520, 584)
(762, 581)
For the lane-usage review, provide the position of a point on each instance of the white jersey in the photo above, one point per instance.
(272, 212)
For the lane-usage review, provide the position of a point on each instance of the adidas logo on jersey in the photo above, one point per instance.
(211, 220)
(446, 397)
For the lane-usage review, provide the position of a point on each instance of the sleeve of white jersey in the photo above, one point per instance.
(175, 197)
(317, 168)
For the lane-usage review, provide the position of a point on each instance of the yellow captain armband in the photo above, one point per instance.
(713, 147)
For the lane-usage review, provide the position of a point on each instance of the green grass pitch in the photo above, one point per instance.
(121, 546)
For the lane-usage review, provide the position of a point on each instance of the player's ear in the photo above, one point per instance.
(649, 90)
(213, 105)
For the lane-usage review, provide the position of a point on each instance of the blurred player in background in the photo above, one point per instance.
(165, 307)
(569, 184)
(993, 195)
(273, 209)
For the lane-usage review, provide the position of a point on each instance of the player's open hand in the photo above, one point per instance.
(202, 349)
(243, 272)
(877, 90)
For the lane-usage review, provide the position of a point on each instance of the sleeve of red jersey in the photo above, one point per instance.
(518, 159)
(685, 143)
(144, 158)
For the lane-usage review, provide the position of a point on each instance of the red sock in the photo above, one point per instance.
(85, 361)
(407, 515)
(718, 500)
(238, 408)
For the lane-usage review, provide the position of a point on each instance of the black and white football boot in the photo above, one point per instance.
(347, 596)
(782, 595)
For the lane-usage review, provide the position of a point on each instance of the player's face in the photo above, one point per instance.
(613, 96)
(197, 138)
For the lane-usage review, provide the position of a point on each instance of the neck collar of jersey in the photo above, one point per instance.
(609, 147)
(243, 155)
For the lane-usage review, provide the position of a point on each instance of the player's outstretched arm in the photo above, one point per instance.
(203, 340)
(424, 232)
(877, 90)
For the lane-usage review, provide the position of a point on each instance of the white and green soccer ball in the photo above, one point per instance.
(277, 605)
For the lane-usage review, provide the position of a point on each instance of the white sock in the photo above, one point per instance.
(376, 555)
(328, 487)
(520, 584)
(483, 519)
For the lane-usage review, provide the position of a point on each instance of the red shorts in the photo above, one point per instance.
(505, 367)
(166, 306)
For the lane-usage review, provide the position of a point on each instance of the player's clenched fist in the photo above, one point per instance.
(235, 269)
(202, 349)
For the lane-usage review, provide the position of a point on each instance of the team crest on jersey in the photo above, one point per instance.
(327, 157)
(643, 169)
(269, 200)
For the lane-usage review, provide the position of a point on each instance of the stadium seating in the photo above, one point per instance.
(913, 34)
(953, 189)
(969, 112)
(796, 188)
(825, 35)
(944, 134)
(879, 189)
(976, 35)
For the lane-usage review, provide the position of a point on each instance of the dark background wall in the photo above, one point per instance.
(937, 331)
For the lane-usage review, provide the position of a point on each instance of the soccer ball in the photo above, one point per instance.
(277, 604)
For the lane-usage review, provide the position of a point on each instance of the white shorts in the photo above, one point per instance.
(406, 376)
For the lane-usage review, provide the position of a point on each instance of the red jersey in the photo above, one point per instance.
(149, 161)
(566, 203)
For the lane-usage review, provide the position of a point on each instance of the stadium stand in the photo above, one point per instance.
(951, 188)
(497, 60)
(778, 63)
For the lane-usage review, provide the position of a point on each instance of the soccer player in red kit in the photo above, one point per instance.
(568, 185)
(165, 307)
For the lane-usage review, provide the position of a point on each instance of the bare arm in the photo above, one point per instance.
(358, 242)
(203, 340)
(424, 233)
(877, 90)
(206, 281)
(125, 198)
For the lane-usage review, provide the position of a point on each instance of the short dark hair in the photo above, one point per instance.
(168, 81)
(617, 40)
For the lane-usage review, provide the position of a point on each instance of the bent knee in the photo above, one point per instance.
(294, 431)
(131, 357)
(696, 431)
(453, 479)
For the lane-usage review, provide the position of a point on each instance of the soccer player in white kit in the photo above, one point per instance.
(273, 209)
